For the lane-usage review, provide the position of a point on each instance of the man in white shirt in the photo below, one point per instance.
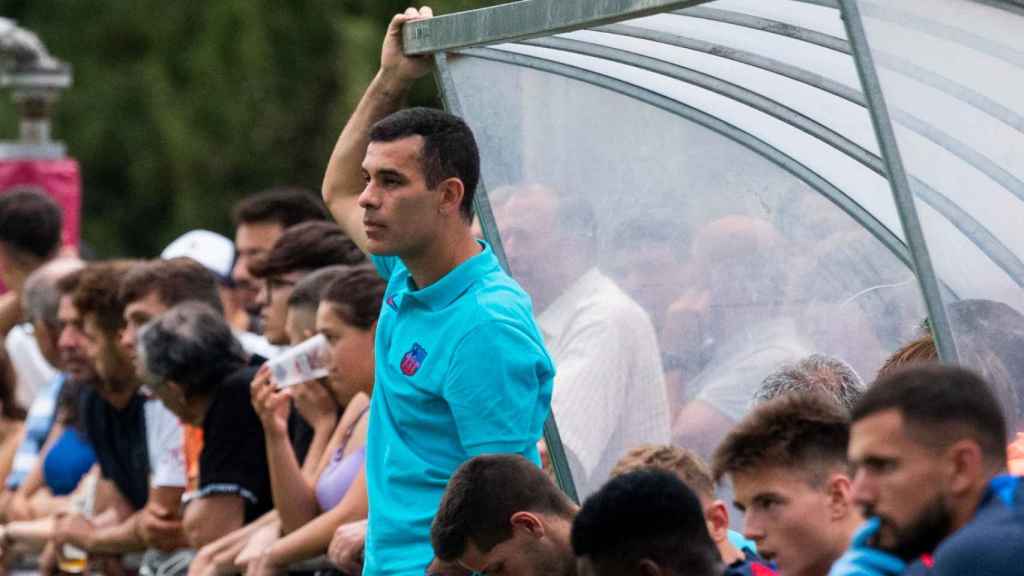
(609, 393)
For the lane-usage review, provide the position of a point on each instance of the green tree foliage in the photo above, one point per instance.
(179, 109)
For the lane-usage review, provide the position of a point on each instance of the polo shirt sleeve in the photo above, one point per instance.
(498, 389)
(385, 265)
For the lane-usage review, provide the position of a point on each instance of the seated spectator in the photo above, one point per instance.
(299, 250)
(644, 523)
(260, 220)
(217, 254)
(928, 445)
(142, 493)
(689, 468)
(609, 392)
(30, 235)
(41, 303)
(195, 366)
(734, 331)
(815, 374)
(237, 549)
(501, 514)
(311, 511)
(787, 463)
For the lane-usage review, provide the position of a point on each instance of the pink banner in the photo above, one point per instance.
(58, 178)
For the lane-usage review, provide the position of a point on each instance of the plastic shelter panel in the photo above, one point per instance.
(958, 66)
(672, 266)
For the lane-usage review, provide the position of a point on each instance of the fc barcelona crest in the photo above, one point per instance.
(412, 360)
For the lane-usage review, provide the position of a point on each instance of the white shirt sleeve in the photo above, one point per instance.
(34, 372)
(164, 439)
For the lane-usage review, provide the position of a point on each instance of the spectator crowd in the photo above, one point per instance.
(150, 421)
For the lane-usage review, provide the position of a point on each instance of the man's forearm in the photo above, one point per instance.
(118, 539)
(384, 96)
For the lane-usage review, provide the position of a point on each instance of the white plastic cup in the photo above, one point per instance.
(307, 360)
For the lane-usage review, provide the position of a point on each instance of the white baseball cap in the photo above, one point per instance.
(210, 249)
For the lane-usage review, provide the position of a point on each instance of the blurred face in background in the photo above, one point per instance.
(273, 302)
(71, 342)
(253, 240)
(114, 368)
(351, 369)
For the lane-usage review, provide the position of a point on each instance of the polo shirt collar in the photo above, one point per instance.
(449, 287)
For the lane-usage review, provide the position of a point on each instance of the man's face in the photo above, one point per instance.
(273, 302)
(104, 350)
(71, 342)
(900, 482)
(530, 233)
(524, 554)
(648, 271)
(136, 315)
(252, 241)
(401, 214)
(788, 518)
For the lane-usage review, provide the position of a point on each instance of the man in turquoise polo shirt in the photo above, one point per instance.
(461, 368)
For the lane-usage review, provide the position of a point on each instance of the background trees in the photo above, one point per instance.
(178, 109)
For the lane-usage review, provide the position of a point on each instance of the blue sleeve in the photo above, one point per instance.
(499, 390)
(385, 265)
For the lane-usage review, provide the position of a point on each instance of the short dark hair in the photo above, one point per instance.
(98, 293)
(647, 514)
(940, 405)
(481, 498)
(192, 345)
(803, 432)
(308, 246)
(449, 148)
(356, 295)
(308, 291)
(174, 281)
(286, 206)
(30, 222)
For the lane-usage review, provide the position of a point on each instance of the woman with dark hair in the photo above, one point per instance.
(311, 511)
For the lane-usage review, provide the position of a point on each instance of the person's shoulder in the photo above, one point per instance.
(992, 544)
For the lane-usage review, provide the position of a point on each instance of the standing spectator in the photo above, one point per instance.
(609, 393)
(136, 440)
(644, 523)
(260, 220)
(312, 510)
(928, 444)
(30, 235)
(41, 303)
(787, 463)
(196, 367)
(301, 249)
(461, 368)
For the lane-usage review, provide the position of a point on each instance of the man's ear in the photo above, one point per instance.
(837, 491)
(966, 465)
(452, 191)
(717, 517)
(649, 567)
(529, 522)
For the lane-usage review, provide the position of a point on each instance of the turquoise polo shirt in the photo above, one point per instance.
(461, 370)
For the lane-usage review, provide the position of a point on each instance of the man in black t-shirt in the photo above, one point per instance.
(137, 441)
(195, 366)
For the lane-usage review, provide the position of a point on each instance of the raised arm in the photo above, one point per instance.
(343, 181)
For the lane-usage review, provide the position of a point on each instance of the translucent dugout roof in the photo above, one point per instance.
(696, 193)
